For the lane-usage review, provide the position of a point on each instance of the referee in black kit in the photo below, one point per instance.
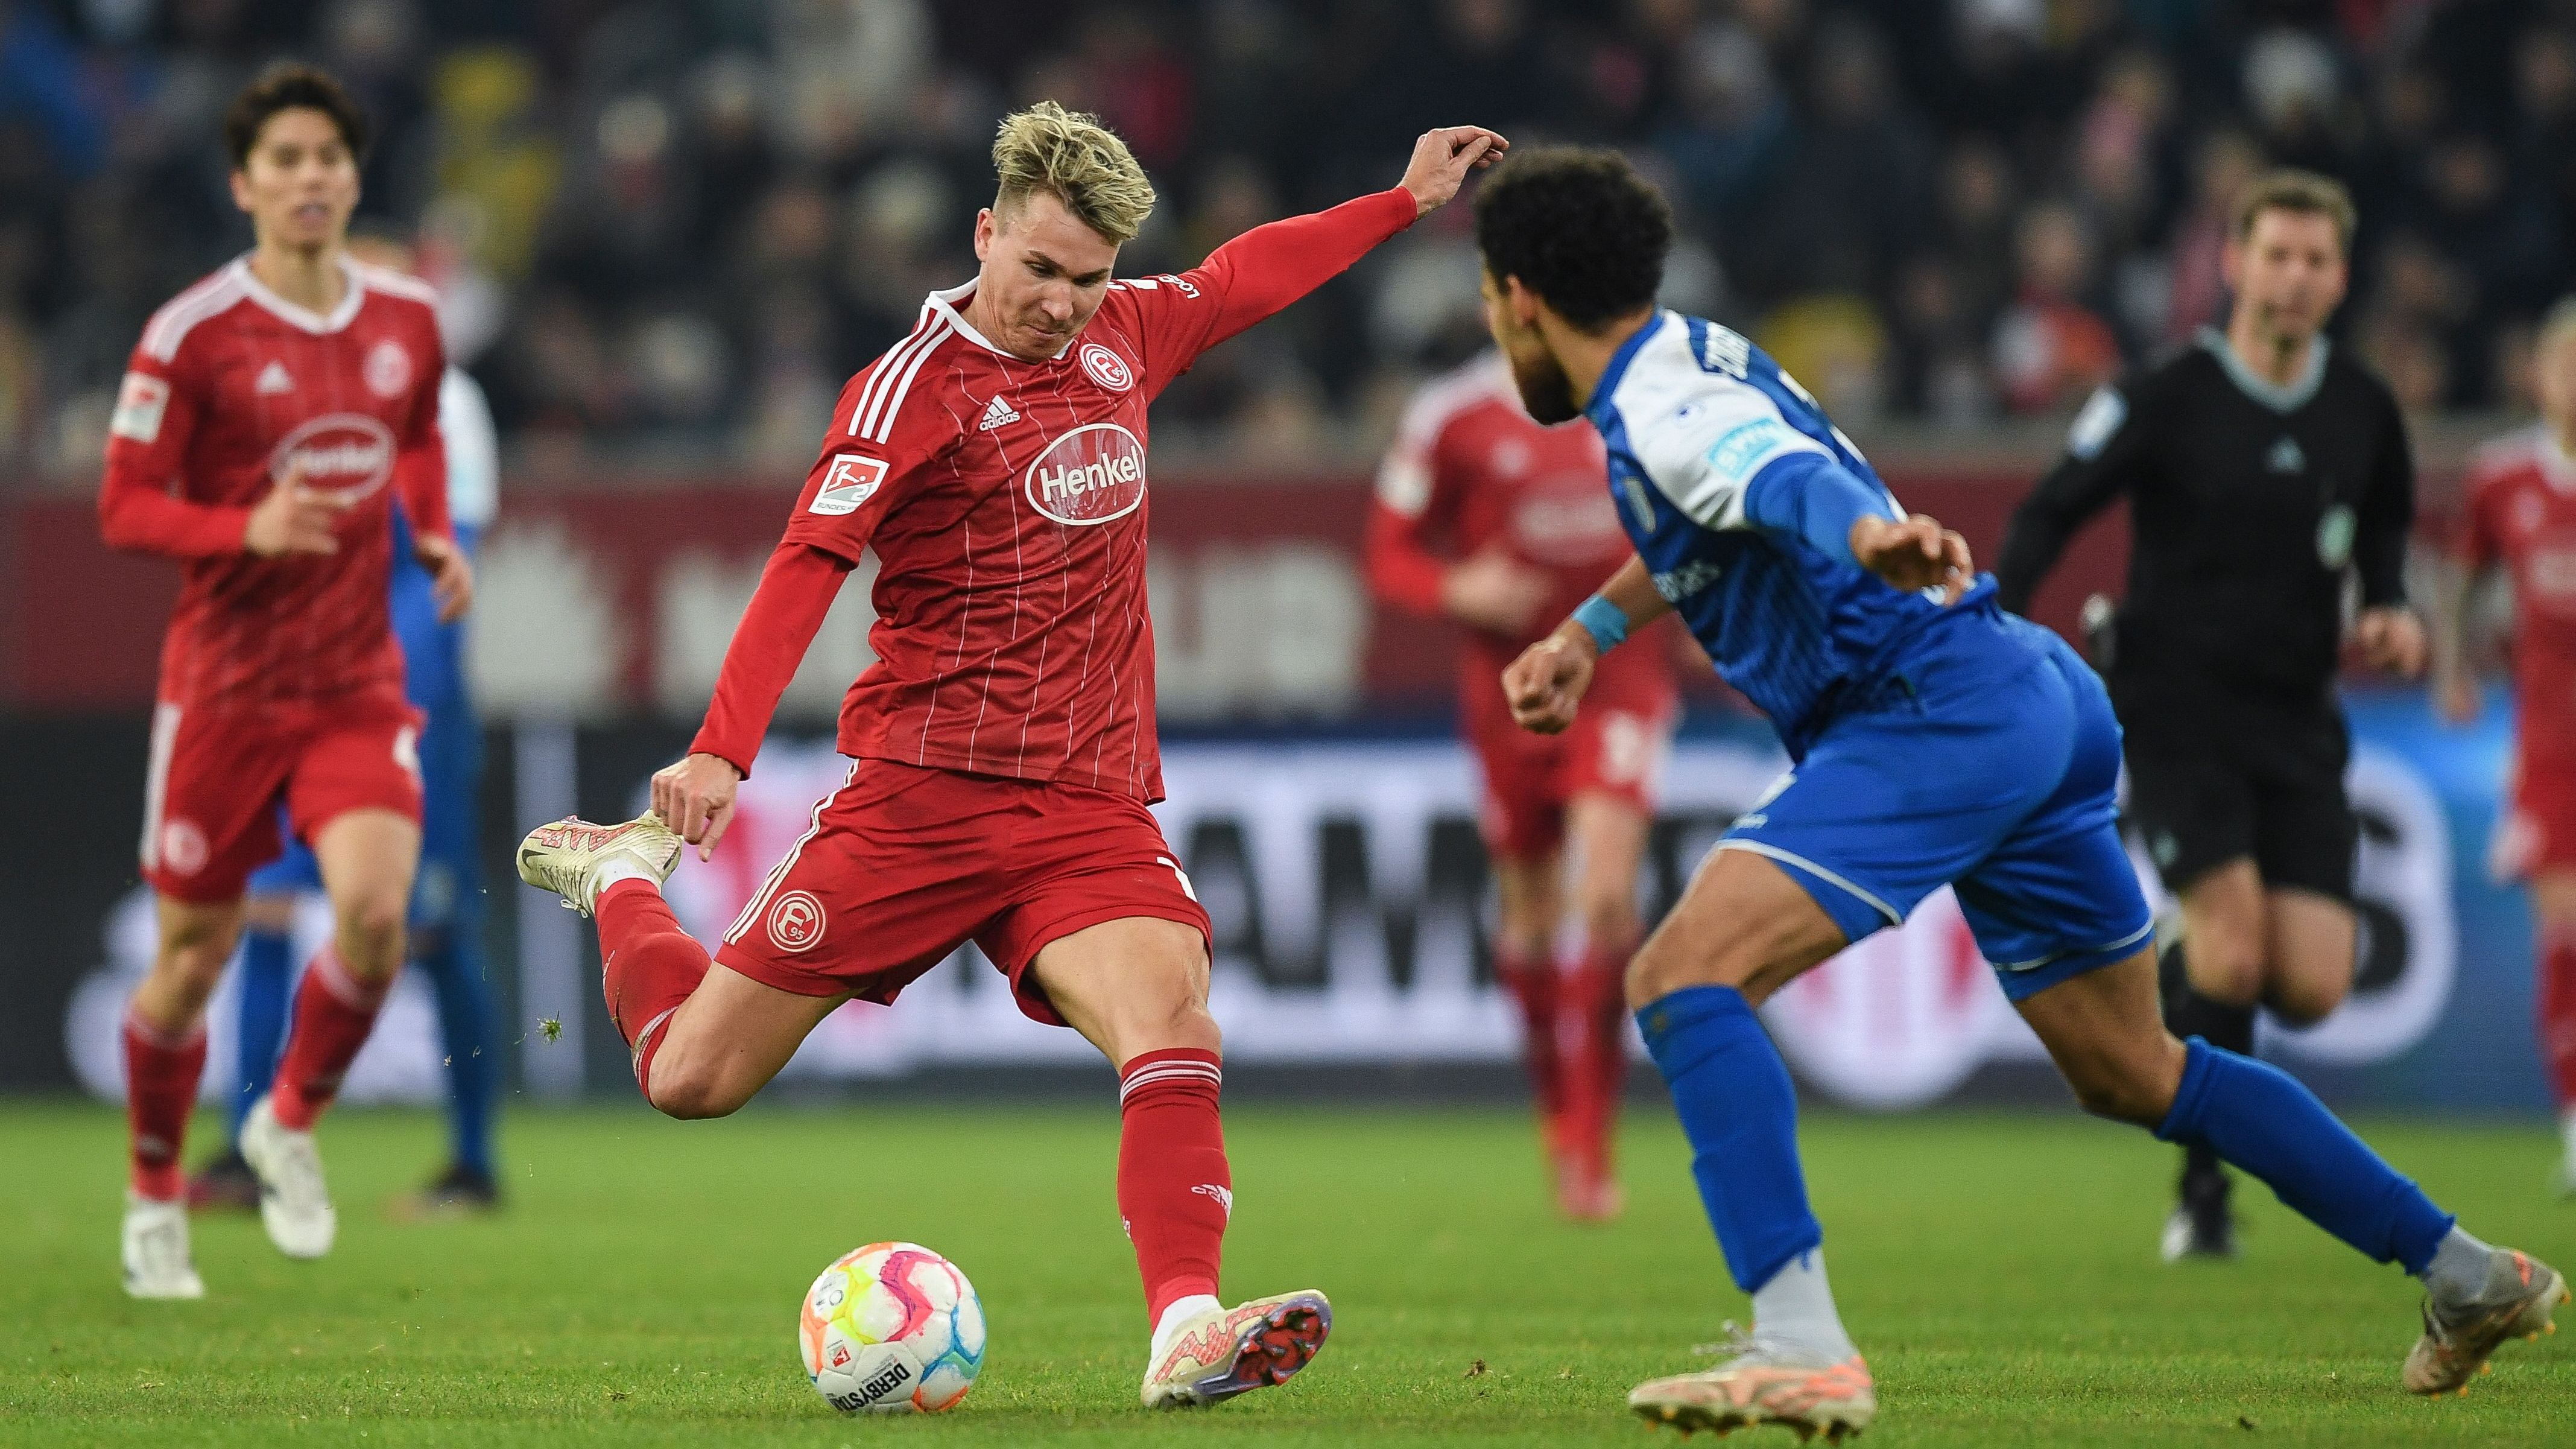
(2263, 469)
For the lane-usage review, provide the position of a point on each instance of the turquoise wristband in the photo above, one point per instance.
(1605, 621)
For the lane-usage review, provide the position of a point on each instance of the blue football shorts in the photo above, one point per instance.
(1994, 769)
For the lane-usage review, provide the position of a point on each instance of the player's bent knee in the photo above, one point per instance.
(1663, 967)
(2303, 1004)
(2229, 970)
(2135, 1086)
(371, 927)
(1611, 924)
(685, 1090)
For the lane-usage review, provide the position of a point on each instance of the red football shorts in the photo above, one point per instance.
(1613, 748)
(904, 864)
(2540, 835)
(217, 774)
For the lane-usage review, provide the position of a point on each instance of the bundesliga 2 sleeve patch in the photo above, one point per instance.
(140, 401)
(853, 480)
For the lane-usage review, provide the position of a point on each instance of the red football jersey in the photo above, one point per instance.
(2522, 516)
(1470, 470)
(1006, 501)
(231, 383)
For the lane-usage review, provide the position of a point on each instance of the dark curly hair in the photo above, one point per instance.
(288, 86)
(1579, 227)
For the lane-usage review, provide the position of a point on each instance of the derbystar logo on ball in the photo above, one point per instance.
(1094, 474)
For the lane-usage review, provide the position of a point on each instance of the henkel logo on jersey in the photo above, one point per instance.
(345, 455)
(1094, 474)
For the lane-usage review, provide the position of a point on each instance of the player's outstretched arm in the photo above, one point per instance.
(1270, 266)
(2106, 455)
(796, 590)
(1547, 682)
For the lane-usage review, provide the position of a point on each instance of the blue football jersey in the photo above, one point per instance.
(1693, 415)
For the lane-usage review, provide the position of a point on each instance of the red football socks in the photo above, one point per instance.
(2557, 1011)
(1600, 1006)
(649, 967)
(1532, 987)
(1174, 1188)
(161, 1074)
(334, 1011)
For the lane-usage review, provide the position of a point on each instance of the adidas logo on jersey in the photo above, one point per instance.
(997, 413)
(273, 380)
(2286, 456)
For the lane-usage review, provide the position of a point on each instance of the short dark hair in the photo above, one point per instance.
(1579, 227)
(2303, 193)
(289, 86)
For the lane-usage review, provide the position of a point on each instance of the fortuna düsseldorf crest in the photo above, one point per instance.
(1107, 368)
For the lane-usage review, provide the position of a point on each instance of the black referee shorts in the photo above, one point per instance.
(2213, 780)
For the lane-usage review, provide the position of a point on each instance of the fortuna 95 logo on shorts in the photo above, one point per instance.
(1107, 368)
(795, 922)
(183, 847)
(853, 480)
(1093, 474)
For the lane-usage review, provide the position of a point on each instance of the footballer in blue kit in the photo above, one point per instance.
(1936, 740)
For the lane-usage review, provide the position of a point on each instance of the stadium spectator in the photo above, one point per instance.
(687, 213)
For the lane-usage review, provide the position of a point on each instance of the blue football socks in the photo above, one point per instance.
(465, 1026)
(1741, 1115)
(2264, 1121)
(267, 974)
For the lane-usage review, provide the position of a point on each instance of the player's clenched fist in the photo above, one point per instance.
(1917, 553)
(1545, 684)
(291, 518)
(695, 797)
(1442, 159)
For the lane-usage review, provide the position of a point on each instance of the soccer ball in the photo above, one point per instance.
(892, 1328)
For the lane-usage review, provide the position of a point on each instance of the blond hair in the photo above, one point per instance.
(2301, 192)
(1078, 161)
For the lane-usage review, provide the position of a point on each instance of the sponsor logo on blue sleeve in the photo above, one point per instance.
(1742, 448)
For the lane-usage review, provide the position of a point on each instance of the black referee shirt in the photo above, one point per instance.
(2247, 503)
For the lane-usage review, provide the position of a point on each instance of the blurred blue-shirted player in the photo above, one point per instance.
(1937, 741)
(447, 910)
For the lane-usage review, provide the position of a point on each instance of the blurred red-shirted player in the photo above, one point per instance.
(1004, 740)
(268, 421)
(1485, 517)
(2522, 519)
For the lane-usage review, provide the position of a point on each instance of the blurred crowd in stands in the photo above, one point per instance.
(677, 225)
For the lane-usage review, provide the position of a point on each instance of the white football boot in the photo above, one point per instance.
(567, 857)
(156, 1250)
(294, 1205)
(1221, 1352)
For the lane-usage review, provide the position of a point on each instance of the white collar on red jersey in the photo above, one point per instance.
(352, 297)
(945, 304)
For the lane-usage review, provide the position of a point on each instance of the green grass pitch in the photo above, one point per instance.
(641, 1289)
